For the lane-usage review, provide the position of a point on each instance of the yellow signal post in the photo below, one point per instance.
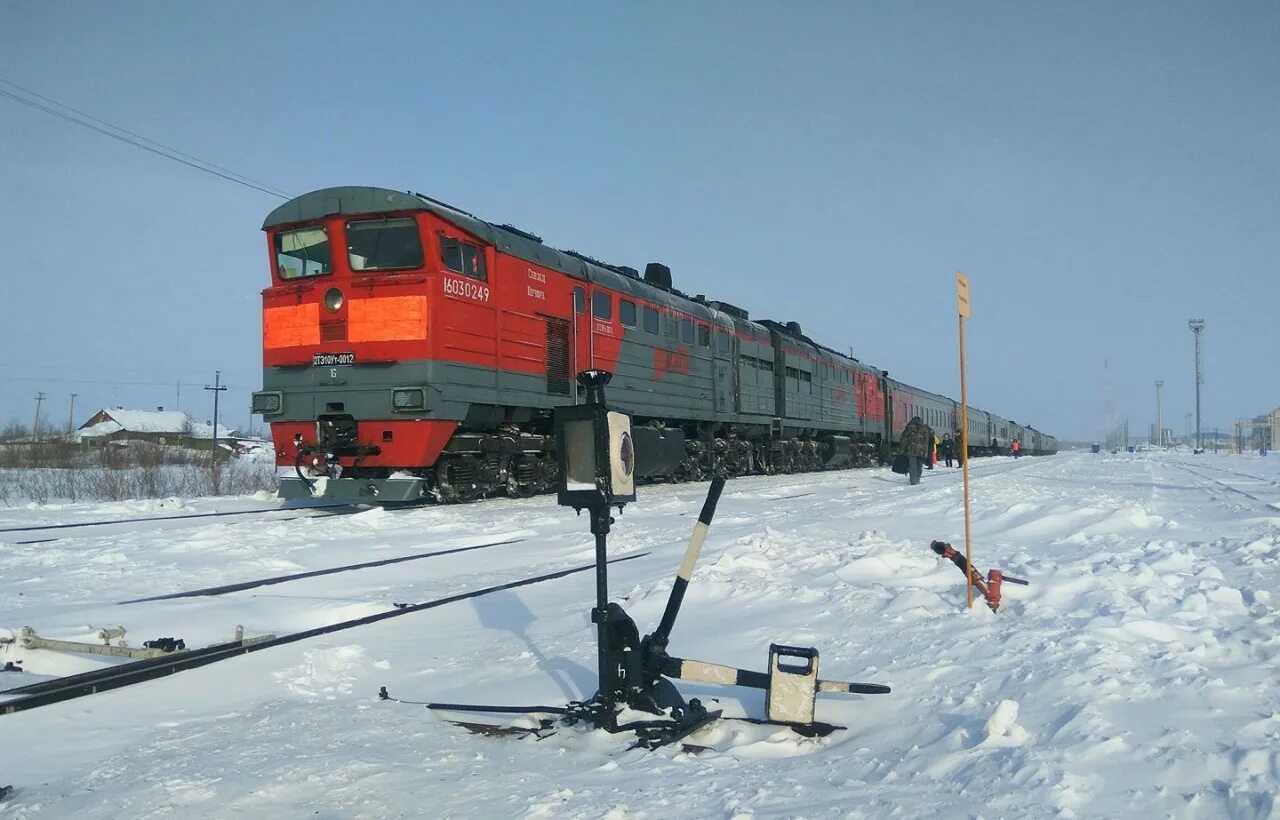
(962, 311)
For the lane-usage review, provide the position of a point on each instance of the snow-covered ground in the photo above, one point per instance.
(1138, 675)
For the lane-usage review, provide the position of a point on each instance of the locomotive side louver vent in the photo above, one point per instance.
(658, 274)
(557, 356)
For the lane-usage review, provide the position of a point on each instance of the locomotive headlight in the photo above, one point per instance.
(408, 398)
(267, 403)
(333, 300)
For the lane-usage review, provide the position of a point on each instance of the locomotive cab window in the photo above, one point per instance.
(579, 300)
(704, 335)
(303, 252)
(463, 257)
(601, 306)
(384, 244)
(627, 312)
(686, 331)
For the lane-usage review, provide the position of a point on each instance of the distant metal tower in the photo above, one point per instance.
(1197, 327)
(1159, 423)
(1108, 406)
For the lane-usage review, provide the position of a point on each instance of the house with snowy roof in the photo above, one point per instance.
(159, 426)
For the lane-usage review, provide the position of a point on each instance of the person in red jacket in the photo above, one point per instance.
(1016, 447)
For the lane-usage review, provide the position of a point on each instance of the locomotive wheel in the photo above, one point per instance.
(457, 479)
(522, 476)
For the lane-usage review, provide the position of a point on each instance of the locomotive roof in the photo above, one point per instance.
(356, 200)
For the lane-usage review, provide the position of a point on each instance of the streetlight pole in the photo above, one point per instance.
(71, 415)
(1197, 328)
(1159, 422)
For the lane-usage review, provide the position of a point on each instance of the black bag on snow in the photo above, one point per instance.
(900, 464)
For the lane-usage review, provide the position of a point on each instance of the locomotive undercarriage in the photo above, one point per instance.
(519, 463)
(522, 464)
(733, 454)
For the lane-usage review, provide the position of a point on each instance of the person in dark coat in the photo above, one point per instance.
(916, 438)
(947, 450)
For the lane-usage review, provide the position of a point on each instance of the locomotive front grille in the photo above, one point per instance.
(333, 330)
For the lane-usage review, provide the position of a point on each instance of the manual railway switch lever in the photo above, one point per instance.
(597, 463)
(990, 589)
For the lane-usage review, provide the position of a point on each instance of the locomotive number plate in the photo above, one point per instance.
(332, 359)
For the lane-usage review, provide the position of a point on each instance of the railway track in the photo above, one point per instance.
(1270, 505)
(297, 576)
(335, 509)
(183, 517)
(45, 693)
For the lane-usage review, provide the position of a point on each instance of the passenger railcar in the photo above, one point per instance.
(412, 349)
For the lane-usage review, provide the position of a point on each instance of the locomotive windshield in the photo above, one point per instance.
(382, 244)
(303, 252)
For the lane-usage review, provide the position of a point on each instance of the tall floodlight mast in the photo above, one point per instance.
(1159, 442)
(1197, 327)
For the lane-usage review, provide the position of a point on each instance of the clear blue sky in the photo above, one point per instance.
(1102, 172)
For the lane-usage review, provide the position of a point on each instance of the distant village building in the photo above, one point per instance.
(159, 426)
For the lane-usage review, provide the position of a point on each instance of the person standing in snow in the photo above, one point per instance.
(947, 450)
(1016, 447)
(915, 446)
(932, 459)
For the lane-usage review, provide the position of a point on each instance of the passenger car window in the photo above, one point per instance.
(650, 320)
(601, 306)
(627, 312)
(462, 257)
(303, 252)
(686, 331)
(381, 244)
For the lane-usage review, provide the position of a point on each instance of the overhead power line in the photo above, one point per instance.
(78, 117)
(111, 382)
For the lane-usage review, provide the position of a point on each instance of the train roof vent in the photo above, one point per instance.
(794, 329)
(513, 229)
(658, 274)
(732, 310)
(591, 260)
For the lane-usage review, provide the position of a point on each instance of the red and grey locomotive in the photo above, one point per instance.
(412, 350)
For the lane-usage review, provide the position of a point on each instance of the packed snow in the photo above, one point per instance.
(1136, 675)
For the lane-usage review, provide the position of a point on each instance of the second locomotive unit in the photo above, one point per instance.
(412, 350)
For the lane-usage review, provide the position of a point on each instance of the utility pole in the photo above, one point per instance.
(35, 428)
(1188, 426)
(1197, 328)
(217, 388)
(71, 416)
(1159, 424)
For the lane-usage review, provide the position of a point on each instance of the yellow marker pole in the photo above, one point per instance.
(962, 311)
